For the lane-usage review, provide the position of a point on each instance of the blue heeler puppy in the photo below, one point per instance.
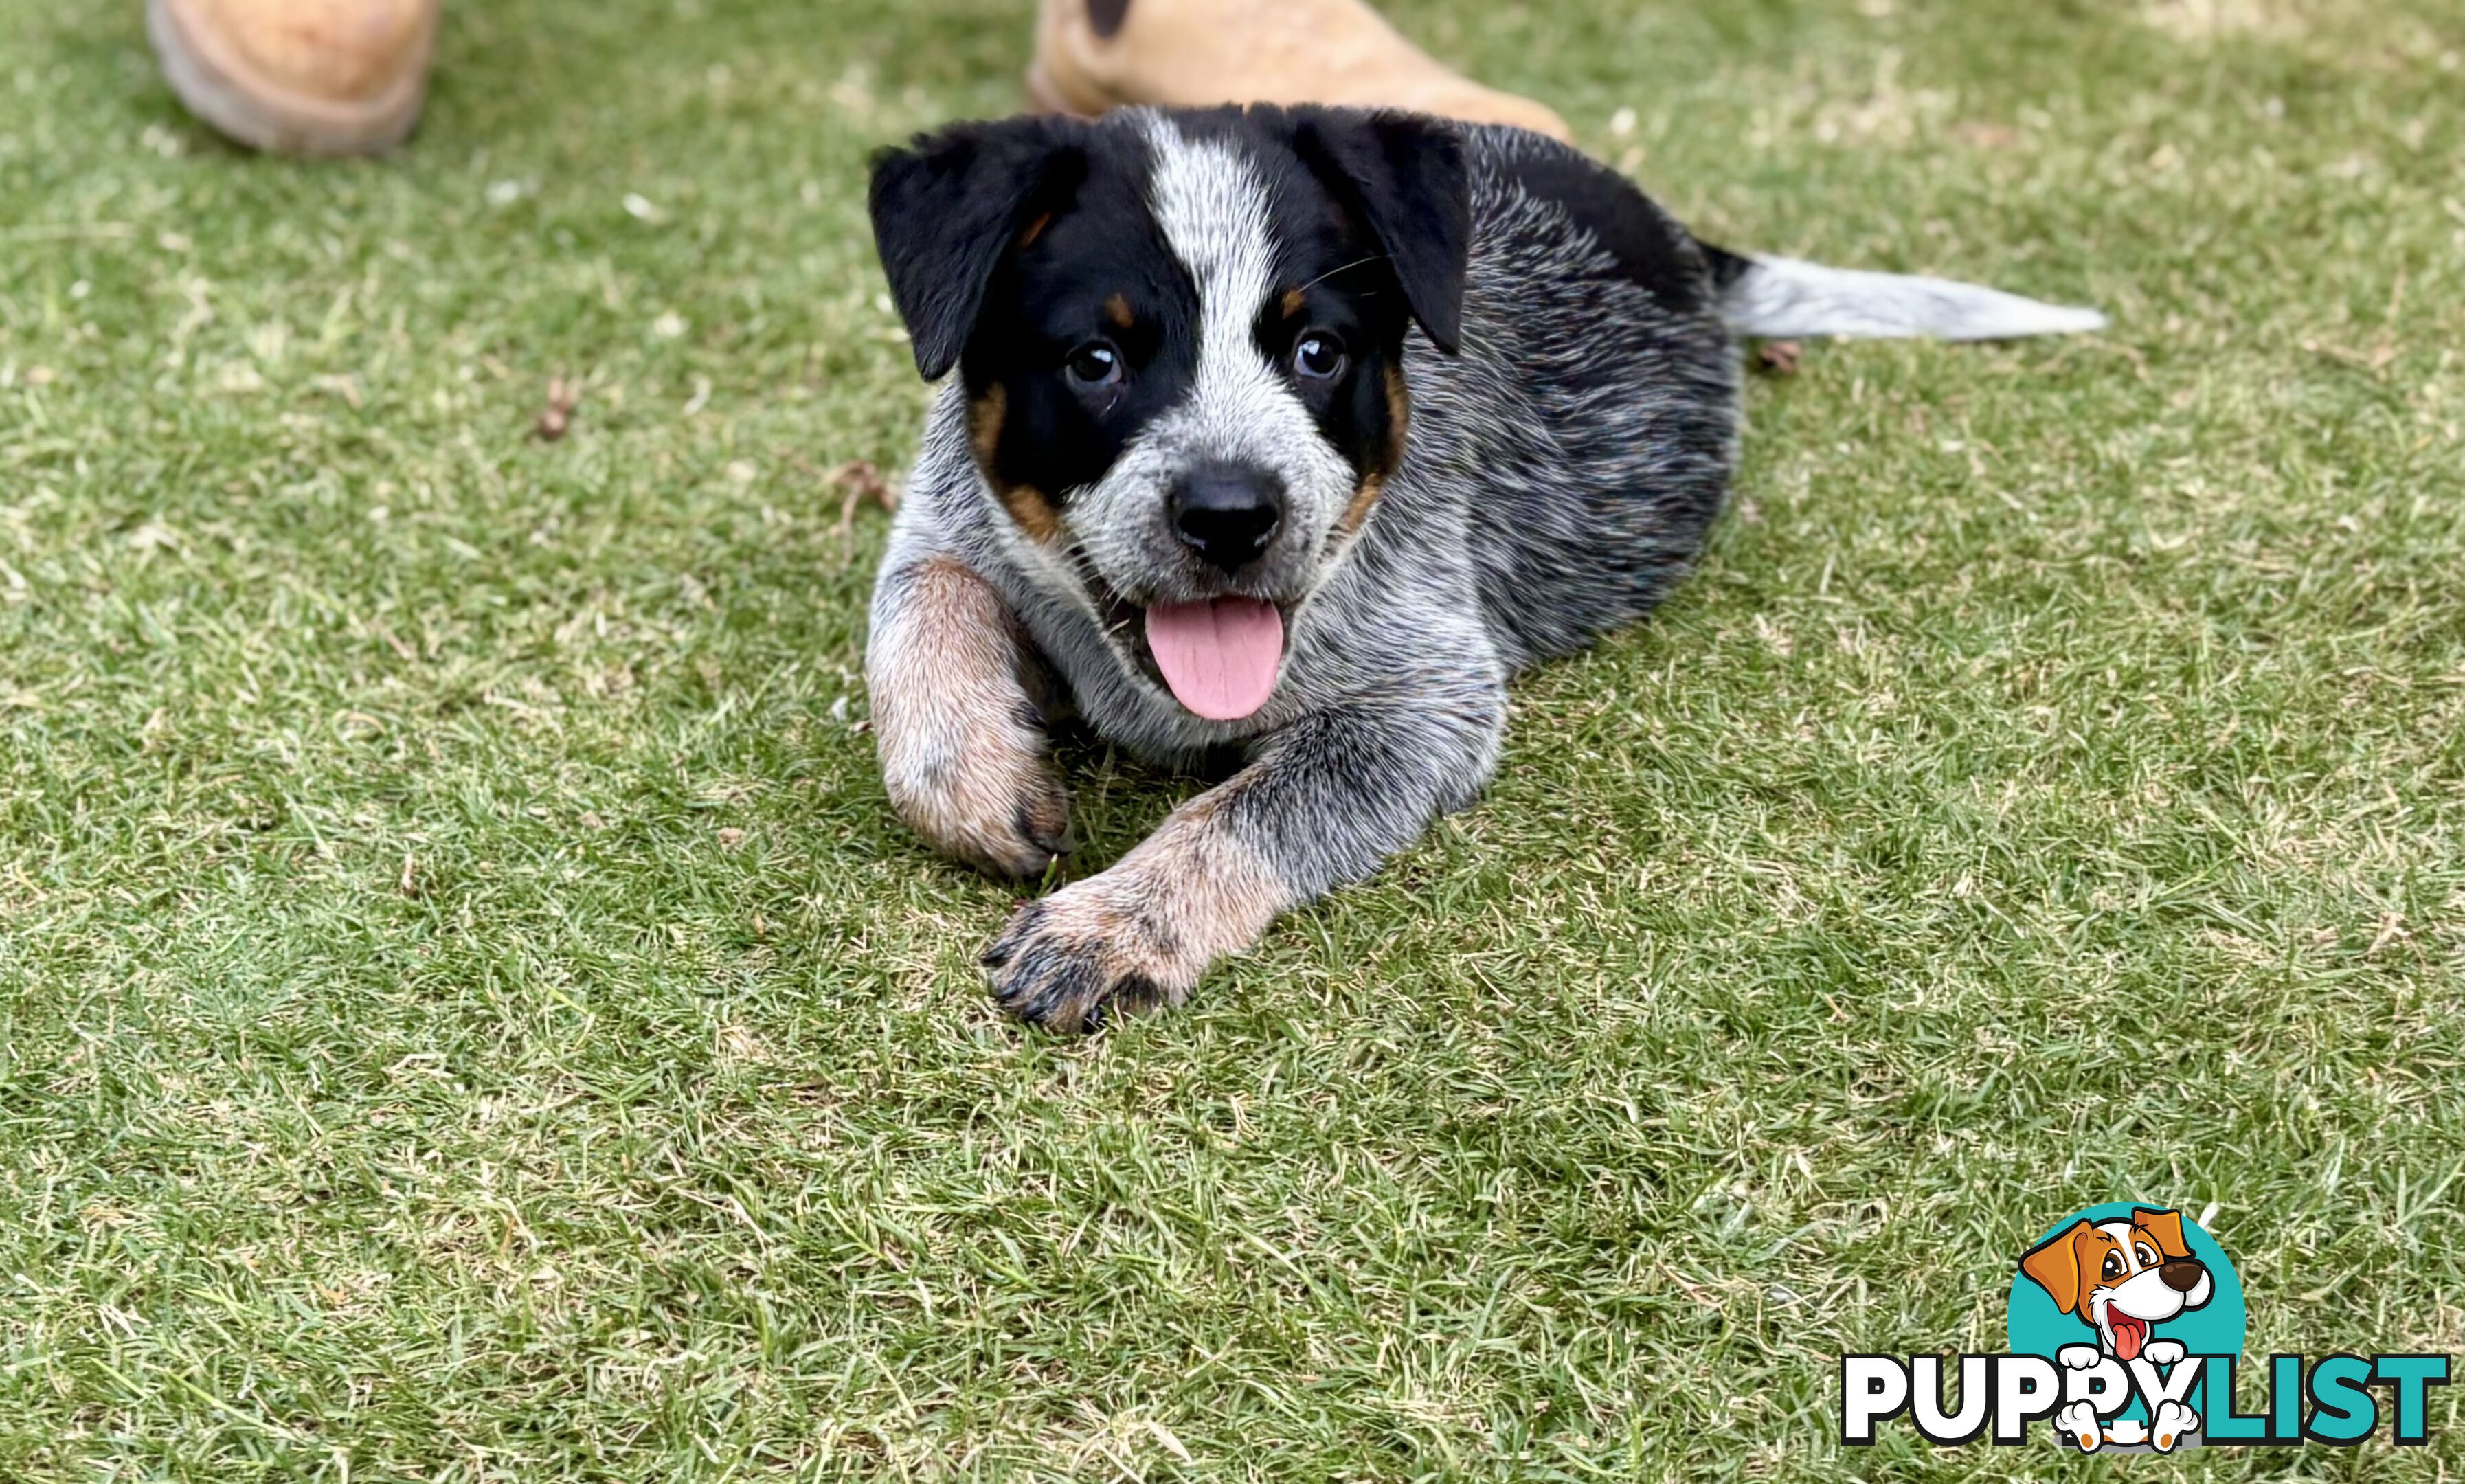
(1292, 434)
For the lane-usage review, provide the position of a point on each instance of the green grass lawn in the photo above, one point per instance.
(467, 1011)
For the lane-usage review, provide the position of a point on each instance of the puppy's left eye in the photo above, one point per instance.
(2147, 1257)
(1096, 364)
(1318, 357)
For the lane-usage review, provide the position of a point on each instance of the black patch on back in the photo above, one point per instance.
(1650, 249)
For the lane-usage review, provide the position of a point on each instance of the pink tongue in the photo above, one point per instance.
(2128, 1333)
(1219, 658)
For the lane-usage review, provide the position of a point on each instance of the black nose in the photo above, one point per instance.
(2182, 1274)
(1226, 513)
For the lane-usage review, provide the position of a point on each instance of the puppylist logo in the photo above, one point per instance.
(2126, 1335)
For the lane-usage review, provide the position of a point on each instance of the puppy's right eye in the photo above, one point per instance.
(1096, 364)
(1318, 357)
(2114, 1265)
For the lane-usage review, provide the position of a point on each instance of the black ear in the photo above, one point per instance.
(1406, 176)
(946, 210)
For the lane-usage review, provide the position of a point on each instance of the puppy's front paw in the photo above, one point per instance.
(2162, 1352)
(991, 797)
(2077, 1358)
(1141, 933)
(1087, 951)
(2078, 1422)
(2171, 1424)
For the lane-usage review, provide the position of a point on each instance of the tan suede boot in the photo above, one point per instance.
(1094, 55)
(299, 76)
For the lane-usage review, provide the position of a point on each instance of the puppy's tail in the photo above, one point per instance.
(1777, 297)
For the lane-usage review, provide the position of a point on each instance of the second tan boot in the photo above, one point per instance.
(1094, 55)
(299, 76)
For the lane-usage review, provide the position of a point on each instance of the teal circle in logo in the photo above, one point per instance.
(2041, 1325)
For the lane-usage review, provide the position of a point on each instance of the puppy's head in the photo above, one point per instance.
(1181, 340)
(2120, 1277)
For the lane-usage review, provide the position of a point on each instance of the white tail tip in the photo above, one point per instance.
(1783, 295)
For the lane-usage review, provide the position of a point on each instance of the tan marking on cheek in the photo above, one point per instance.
(1374, 484)
(1034, 229)
(984, 418)
(1399, 414)
(1118, 310)
(1030, 509)
(1028, 506)
(963, 762)
(1294, 301)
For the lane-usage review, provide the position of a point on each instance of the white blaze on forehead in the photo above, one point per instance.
(1218, 219)
(1216, 216)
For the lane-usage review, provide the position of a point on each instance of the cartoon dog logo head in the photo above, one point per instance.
(2120, 1277)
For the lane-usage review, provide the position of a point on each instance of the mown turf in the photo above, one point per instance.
(467, 1013)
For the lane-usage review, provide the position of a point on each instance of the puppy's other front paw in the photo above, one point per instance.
(994, 801)
(1088, 951)
(2162, 1352)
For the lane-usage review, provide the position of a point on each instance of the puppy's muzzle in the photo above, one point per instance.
(2182, 1274)
(1227, 514)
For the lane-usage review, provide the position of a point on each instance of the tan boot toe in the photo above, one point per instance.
(299, 76)
(1094, 55)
